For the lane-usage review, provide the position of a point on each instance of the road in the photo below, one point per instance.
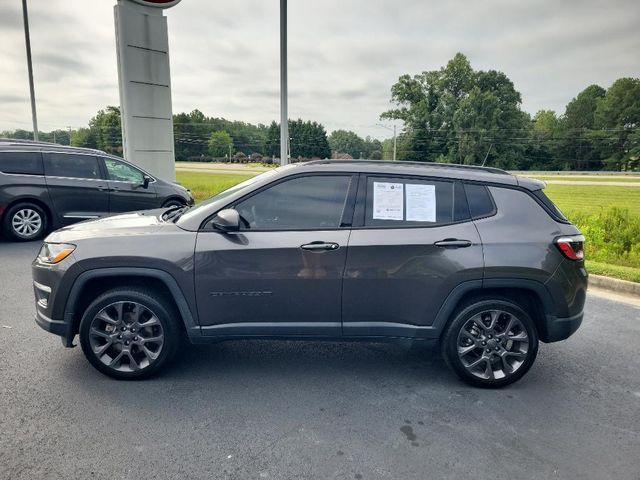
(284, 410)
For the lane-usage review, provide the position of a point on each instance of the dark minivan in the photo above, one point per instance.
(44, 186)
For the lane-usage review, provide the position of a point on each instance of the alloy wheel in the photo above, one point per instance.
(126, 336)
(493, 345)
(26, 222)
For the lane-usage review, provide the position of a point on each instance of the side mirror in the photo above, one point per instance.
(145, 181)
(227, 220)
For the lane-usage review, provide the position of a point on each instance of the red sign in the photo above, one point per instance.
(158, 3)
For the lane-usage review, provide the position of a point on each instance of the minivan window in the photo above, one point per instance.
(122, 172)
(21, 163)
(302, 203)
(409, 202)
(71, 166)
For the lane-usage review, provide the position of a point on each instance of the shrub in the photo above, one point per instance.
(613, 236)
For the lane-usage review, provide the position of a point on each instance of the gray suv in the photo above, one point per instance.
(44, 186)
(475, 259)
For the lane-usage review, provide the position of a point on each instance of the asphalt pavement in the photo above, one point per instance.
(301, 410)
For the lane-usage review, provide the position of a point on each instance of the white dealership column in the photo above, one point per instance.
(145, 85)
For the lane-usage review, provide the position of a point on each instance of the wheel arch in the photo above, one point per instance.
(531, 296)
(92, 283)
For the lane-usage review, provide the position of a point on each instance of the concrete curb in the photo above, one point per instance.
(615, 285)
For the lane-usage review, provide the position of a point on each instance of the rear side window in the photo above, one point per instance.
(71, 166)
(480, 201)
(410, 202)
(21, 163)
(555, 211)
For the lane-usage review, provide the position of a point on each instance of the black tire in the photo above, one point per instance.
(490, 347)
(107, 305)
(174, 202)
(30, 212)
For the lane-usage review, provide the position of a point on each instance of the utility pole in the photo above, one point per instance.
(284, 115)
(27, 39)
(395, 143)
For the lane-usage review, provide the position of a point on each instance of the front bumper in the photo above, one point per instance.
(57, 327)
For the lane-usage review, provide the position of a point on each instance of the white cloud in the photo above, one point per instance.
(343, 56)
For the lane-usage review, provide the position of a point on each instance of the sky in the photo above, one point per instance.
(344, 56)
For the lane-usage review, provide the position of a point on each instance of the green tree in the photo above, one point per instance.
(220, 144)
(617, 120)
(575, 144)
(459, 115)
(345, 141)
(83, 137)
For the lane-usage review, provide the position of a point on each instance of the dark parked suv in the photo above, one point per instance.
(473, 258)
(44, 186)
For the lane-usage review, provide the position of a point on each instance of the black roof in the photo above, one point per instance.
(32, 144)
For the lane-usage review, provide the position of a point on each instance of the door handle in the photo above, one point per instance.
(319, 246)
(103, 188)
(453, 243)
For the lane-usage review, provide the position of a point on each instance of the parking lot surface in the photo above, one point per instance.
(281, 410)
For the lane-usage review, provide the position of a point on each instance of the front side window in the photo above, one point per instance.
(302, 203)
(21, 163)
(71, 166)
(408, 202)
(121, 172)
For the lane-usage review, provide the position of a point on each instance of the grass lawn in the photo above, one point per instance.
(590, 178)
(571, 199)
(205, 185)
(590, 199)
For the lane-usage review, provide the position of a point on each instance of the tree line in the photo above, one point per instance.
(454, 114)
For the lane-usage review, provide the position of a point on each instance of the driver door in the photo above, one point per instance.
(281, 274)
(127, 192)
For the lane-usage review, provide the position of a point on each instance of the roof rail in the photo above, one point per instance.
(390, 163)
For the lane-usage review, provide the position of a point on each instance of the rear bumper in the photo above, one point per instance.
(561, 328)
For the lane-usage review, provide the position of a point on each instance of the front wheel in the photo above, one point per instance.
(490, 343)
(129, 333)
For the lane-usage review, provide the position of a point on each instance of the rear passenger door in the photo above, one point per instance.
(411, 244)
(76, 186)
(126, 187)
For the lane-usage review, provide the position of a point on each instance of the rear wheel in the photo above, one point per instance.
(24, 222)
(490, 343)
(129, 333)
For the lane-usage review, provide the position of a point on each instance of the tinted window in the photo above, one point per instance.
(297, 204)
(23, 163)
(121, 172)
(480, 201)
(550, 205)
(396, 201)
(73, 166)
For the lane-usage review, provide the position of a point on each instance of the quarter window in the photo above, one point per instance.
(479, 198)
(303, 203)
(406, 202)
(21, 163)
(72, 166)
(121, 172)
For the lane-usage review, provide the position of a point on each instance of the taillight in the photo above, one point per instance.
(571, 247)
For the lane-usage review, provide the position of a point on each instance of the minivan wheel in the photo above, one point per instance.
(24, 222)
(490, 343)
(129, 333)
(173, 203)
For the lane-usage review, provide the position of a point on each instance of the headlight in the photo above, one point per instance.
(52, 253)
